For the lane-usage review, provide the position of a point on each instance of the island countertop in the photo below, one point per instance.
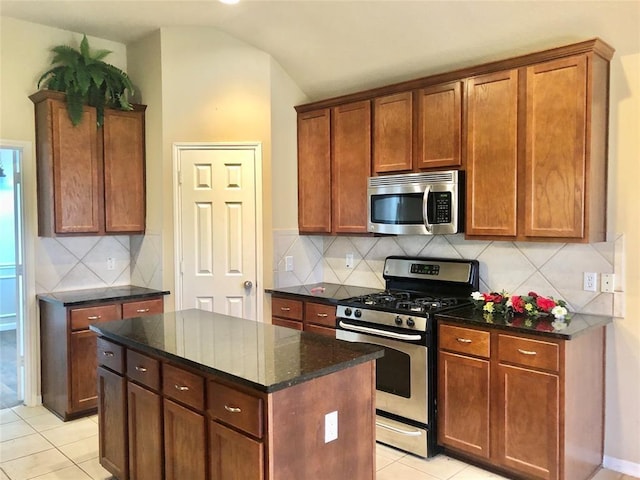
(259, 355)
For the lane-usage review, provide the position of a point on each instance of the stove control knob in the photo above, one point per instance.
(398, 320)
(347, 312)
(410, 322)
(357, 313)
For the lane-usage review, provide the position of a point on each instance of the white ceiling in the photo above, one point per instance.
(336, 47)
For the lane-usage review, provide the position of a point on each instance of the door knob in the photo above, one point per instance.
(248, 284)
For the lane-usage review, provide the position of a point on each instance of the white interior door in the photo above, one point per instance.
(217, 228)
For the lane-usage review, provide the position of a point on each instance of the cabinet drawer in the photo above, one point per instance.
(464, 340)
(320, 314)
(235, 408)
(143, 307)
(183, 386)
(143, 369)
(110, 355)
(284, 307)
(528, 352)
(82, 317)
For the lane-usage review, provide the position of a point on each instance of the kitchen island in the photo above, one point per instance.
(198, 395)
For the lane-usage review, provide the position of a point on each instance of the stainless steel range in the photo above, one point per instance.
(401, 320)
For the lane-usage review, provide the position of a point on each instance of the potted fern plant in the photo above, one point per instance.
(87, 80)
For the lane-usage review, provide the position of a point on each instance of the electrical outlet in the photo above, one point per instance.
(589, 281)
(111, 263)
(288, 263)
(607, 283)
(331, 427)
(349, 260)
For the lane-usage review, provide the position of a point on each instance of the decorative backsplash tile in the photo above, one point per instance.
(554, 269)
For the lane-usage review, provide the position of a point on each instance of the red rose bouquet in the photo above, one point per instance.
(531, 305)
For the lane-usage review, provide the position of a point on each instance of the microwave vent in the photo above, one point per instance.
(411, 178)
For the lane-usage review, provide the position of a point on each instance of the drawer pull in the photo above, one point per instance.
(527, 352)
(322, 315)
(463, 340)
(94, 317)
(181, 388)
(107, 354)
(140, 368)
(285, 309)
(142, 310)
(232, 409)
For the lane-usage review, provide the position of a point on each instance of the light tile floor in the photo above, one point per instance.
(35, 444)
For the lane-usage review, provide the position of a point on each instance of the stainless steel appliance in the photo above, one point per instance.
(401, 320)
(416, 203)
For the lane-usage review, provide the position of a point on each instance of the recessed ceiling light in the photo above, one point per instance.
(229, 2)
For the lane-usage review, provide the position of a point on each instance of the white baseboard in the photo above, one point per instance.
(622, 466)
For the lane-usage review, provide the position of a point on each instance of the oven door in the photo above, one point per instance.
(401, 374)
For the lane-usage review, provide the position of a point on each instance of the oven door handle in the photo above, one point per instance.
(408, 433)
(382, 333)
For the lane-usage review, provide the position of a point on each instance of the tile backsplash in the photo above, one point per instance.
(551, 269)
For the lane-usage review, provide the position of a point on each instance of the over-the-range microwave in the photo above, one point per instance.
(429, 203)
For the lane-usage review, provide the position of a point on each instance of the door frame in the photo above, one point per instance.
(256, 147)
(29, 339)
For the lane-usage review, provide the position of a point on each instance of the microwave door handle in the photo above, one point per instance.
(425, 209)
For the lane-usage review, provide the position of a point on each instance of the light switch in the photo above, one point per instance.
(331, 427)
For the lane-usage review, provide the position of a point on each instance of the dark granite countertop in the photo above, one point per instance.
(259, 355)
(96, 295)
(324, 292)
(575, 324)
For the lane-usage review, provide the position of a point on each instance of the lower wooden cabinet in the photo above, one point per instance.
(112, 415)
(144, 409)
(185, 443)
(312, 317)
(509, 401)
(234, 456)
(68, 351)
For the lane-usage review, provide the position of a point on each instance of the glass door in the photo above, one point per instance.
(11, 279)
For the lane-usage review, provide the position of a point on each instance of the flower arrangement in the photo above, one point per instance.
(531, 305)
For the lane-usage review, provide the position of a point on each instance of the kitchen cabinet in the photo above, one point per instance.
(185, 443)
(234, 456)
(91, 180)
(314, 171)
(68, 350)
(334, 161)
(144, 409)
(313, 317)
(543, 127)
(517, 402)
(393, 137)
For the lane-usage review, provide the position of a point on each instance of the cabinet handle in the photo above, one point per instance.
(142, 310)
(285, 309)
(107, 354)
(322, 315)
(232, 409)
(527, 352)
(140, 368)
(463, 340)
(181, 388)
(94, 317)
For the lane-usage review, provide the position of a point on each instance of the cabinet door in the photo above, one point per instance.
(184, 443)
(283, 322)
(234, 456)
(393, 133)
(492, 154)
(75, 168)
(463, 403)
(314, 172)
(83, 371)
(112, 418)
(528, 426)
(145, 433)
(351, 166)
(124, 171)
(440, 126)
(556, 148)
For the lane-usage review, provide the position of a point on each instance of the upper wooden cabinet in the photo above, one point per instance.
(90, 181)
(418, 130)
(536, 151)
(334, 161)
(314, 171)
(351, 166)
